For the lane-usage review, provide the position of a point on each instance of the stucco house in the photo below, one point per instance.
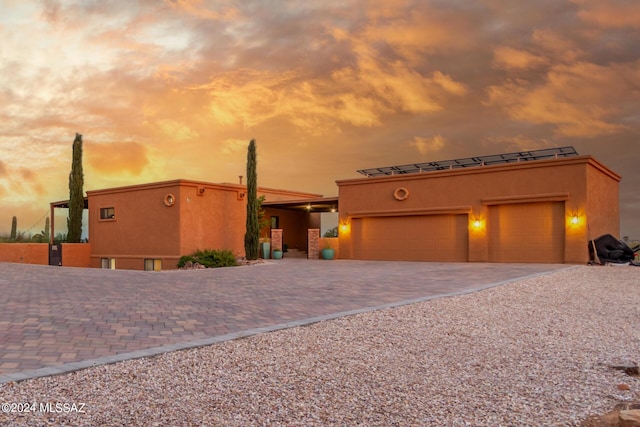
(541, 206)
(537, 206)
(149, 226)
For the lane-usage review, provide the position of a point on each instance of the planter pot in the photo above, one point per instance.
(266, 250)
(277, 254)
(328, 253)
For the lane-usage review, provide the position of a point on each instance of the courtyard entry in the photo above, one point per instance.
(55, 254)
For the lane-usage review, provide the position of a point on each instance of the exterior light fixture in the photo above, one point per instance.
(309, 207)
(575, 220)
(344, 227)
(477, 223)
(333, 209)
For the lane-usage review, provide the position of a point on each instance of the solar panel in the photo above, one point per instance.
(521, 156)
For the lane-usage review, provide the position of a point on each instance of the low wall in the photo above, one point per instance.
(73, 254)
(76, 254)
(28, 253)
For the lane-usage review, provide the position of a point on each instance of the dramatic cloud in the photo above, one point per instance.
(510, 58)
(610, 13)
(117, 157)
(428, 146)
(571, 98)
(177, 88)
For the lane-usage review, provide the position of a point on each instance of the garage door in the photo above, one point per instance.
(411, 238)
(527, 232)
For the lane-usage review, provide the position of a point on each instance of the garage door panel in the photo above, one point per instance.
(412, 238)
(528, 232)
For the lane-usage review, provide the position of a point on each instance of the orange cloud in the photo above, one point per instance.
(428, 145)
(417, 29)
(198, 9)
(581, 99)
(556, 47)
(610, 13)
(510, 58)
(117, 157)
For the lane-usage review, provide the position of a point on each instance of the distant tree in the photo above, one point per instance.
(60, 238)
(252, 234)
(45, 233)
(14, 228)
(76, 195)
(43, 236)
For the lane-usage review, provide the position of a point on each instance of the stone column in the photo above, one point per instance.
(313, 238)
(276, 240)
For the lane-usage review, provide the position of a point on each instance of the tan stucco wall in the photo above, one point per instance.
(143, 227)
(28, 253)
(73, 254)
(76, 254)
(603, 203)
(203, 216)
(582, 183)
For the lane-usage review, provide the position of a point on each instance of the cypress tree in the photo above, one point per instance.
(76, 196)
(14, 228)
(252, 234)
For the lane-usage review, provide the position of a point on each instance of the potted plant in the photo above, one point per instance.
(277, 253)
(328, 252)
(265, 246)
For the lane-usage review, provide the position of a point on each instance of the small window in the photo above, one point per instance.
(275, 222)
(108, 263)
(152, 264)
(107, 213)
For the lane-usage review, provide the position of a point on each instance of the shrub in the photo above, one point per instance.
(333, 232)
(210, 258)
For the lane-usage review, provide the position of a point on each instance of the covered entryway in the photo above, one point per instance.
(296, 217)
(411, 238)
(527, 232)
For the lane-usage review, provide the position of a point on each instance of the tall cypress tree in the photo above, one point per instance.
(76, 196)
(14, 227)
(252, 235)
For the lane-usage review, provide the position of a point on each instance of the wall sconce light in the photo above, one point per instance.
(575, 220)
(344, 227)
(476, 223)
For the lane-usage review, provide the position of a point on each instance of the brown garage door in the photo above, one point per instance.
(527, 232)
(411, 238)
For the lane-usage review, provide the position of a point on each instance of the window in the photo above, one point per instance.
(107, 213)
(108, 263)
(275, 222)
(152, 264)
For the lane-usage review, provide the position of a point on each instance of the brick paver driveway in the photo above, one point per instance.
(55, 319)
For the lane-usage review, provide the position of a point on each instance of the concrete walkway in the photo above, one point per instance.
(55, 320)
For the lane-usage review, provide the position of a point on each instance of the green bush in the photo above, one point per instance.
(210, 258)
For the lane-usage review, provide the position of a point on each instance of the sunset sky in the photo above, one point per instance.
(176, 89)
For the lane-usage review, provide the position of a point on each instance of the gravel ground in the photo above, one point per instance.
(529, 353)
